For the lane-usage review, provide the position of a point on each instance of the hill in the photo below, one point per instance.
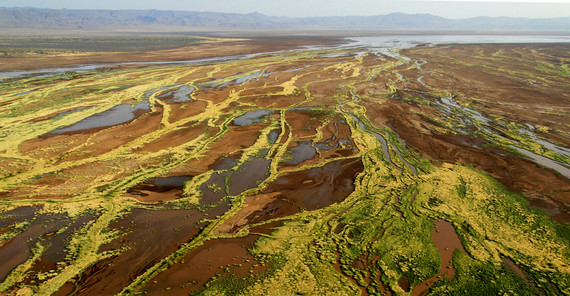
(35, 18)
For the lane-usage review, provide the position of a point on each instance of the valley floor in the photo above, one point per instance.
(327, 170)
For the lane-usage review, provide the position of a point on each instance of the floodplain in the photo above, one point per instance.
(249, 168)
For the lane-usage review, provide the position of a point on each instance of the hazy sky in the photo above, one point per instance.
(299, 8)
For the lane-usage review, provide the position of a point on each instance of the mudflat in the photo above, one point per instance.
(289, 164)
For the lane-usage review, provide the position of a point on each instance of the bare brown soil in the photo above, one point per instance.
(266, 228)
(408, 120)
(150, 236)
(318, 187)
(204, 50)
(177, 137)
(255, 203)
(192, 272)
(471, 71)
(300, 123)
(154, 191)
(57, 145)
(116, 136)
(185, 110)
(289, 193)
(516, 173)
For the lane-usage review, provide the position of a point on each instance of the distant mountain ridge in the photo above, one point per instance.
(91, 19)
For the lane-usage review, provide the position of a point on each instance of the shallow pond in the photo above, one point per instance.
(179, 95)
(251, 117)
(159, 189)
(117, 115)
(168, 182)
(71, 111)
(555, 148)
(273, 136)
(546, 162)
(249, 175)
(214, 189)
(303, 151)
(225, 163)
(223, 82)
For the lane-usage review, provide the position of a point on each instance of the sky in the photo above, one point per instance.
(306, 8)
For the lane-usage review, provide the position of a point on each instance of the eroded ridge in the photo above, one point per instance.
(340, 171)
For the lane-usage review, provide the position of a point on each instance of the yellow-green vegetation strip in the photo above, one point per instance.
(387, 220)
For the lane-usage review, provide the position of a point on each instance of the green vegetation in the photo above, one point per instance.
(29, 46)
(371, 240)
(481, 278)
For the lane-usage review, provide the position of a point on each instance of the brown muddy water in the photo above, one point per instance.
(309, 189)
(55, 248)
(159, 189)
(512, 266)
(149, 237)
(292, 192)
(404, 283)
(556, 212)
(318, 187)
(18, 249)
(446, 240)
(338, 267)
(20, 214)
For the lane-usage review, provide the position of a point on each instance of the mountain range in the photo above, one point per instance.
(36, 18)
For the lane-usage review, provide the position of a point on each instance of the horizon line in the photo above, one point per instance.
(298, 17)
